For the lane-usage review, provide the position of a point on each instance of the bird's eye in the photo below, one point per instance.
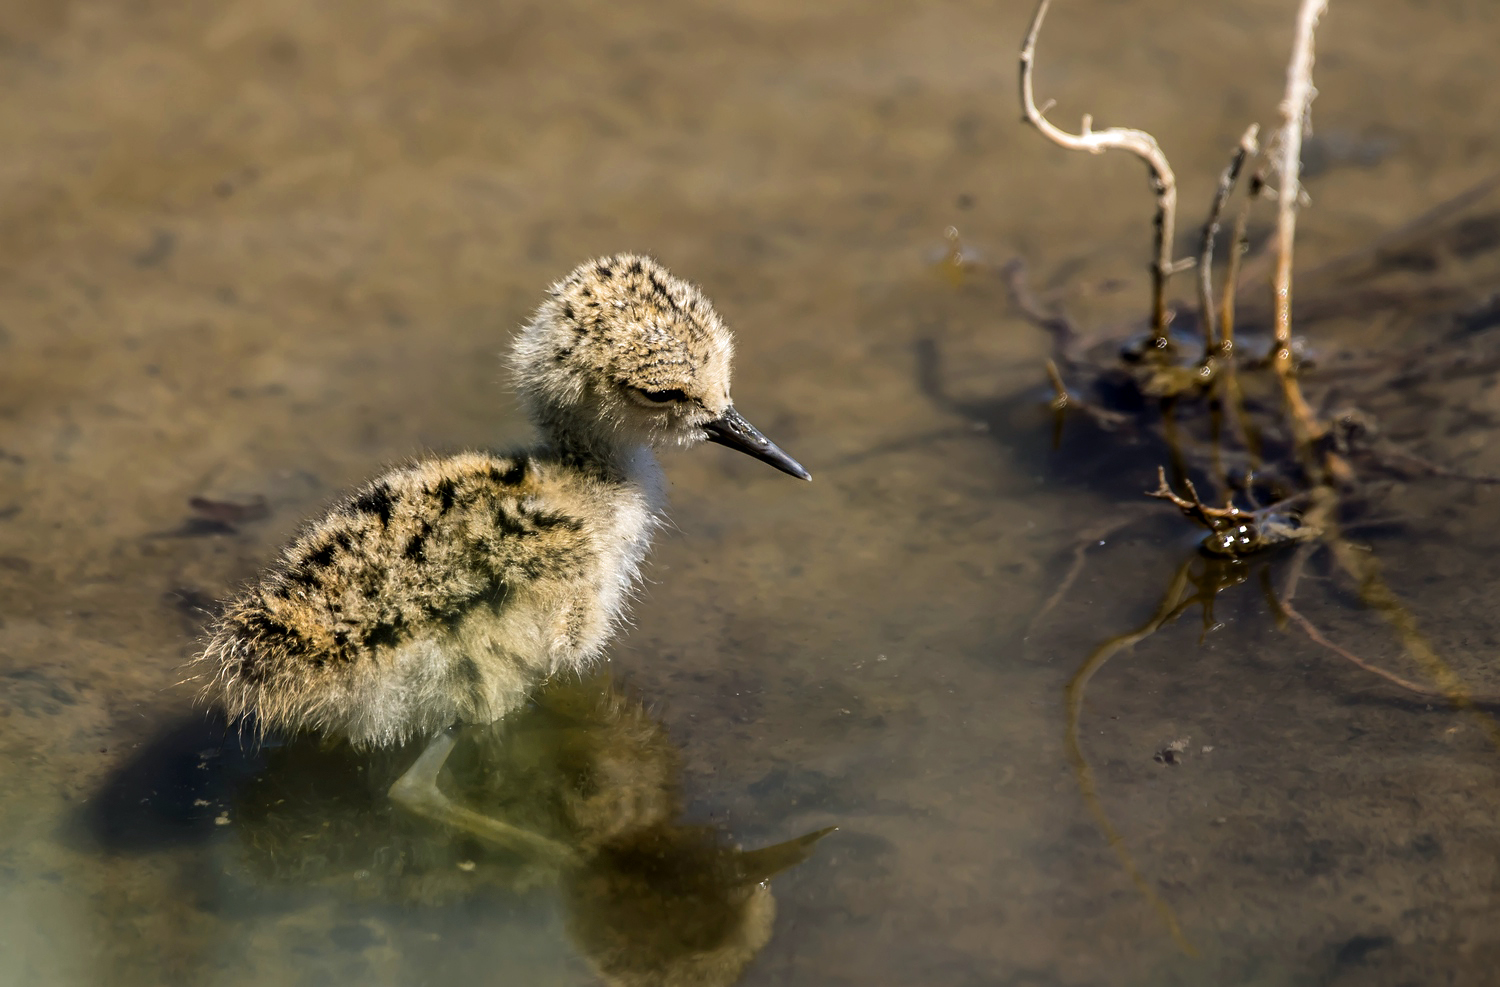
(662, 397)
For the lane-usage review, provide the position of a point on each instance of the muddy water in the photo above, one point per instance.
(257, 250)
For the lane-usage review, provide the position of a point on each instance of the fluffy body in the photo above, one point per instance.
(445, 590)
(440, 593)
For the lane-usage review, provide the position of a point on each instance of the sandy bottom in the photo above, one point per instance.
(260, 249)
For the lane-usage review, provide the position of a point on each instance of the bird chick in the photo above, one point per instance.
(442, 592)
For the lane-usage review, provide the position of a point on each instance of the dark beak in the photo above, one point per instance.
(733, 431)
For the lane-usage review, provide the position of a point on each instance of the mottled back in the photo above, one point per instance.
(411, 554)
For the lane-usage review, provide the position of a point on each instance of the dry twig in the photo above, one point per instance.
(1137, 142)
(1227, 180)
(1294, 113)
(1192, 506)
(1229, 381)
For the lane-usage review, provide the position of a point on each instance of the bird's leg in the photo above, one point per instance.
(761, 865)
(417, 791)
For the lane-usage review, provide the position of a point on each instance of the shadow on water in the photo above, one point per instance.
(170, 792)
(1072, 452)
(649, 899)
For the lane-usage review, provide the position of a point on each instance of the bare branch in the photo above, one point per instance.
(1294, 111)
(1227, 181)
(1211, 518)
(1137, 142)
(1228, 380)
(1218, 344)
(1241, 243)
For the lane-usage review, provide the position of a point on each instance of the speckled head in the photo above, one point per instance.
(623, 353)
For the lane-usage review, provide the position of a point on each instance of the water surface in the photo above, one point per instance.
(262, 249)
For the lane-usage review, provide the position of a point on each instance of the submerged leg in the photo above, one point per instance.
(763, 864)
(417, 791)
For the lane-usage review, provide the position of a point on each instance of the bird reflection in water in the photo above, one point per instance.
(589, 783)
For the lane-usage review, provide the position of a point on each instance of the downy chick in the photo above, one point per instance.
(442, 592)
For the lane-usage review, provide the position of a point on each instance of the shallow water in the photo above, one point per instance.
(262, 249)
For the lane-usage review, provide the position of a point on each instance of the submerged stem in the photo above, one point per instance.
(1084, 774)
(1373, 589)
